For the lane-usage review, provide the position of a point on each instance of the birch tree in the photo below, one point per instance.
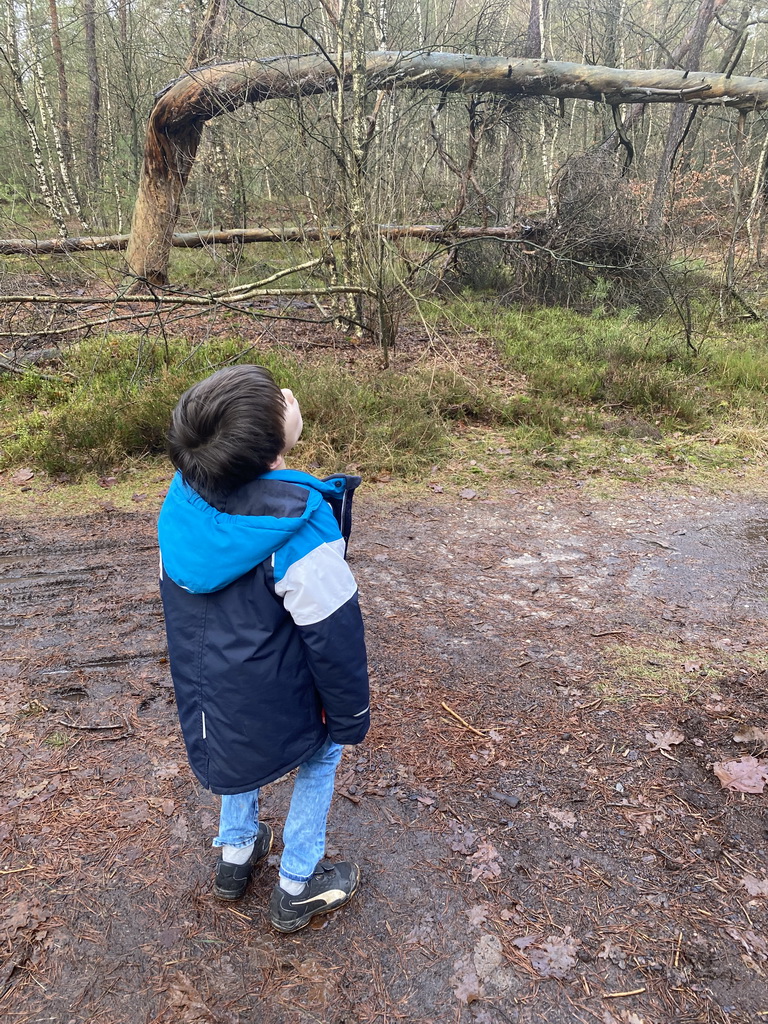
(49, 190)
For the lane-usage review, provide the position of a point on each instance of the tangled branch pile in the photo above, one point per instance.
(592, 248)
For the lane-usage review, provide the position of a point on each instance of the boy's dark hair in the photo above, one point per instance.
(227, 429)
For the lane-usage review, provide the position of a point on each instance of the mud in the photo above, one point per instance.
(535, 862)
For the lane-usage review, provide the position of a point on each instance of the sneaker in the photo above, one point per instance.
(331, 886)
(232, 879)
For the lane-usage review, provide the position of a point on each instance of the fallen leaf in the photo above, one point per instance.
(463, 842)
(27, 914)
(187, 1002)
(556, 957)
(664, 740)
(167, 806)
(422, 932)
(691, 666)
(477, 915)
(486, 864)
(755, 886)
(567, 818)
(747, 775)
(29, 791)
(754, 944)
(510, 915)
(134, 813)
(751, 735)
(468, 493)
(138, 497)
(21, 476)
(107, 481)
(467, 988)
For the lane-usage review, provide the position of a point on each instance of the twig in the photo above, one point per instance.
(14, 871)
(677, 951)
(619, 995)
(458, 718)
(92, 728)
(238, 914)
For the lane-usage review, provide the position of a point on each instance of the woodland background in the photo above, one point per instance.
(79, 80)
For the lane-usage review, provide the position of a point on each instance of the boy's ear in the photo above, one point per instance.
(277, 463)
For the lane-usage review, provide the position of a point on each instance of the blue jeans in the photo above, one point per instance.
(304, 832)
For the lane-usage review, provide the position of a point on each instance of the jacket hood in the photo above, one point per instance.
(204, 550)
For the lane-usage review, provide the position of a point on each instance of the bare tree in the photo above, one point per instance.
(512, 156)
(61, 75)
(49, 189)
(94, 94)
(680, 119)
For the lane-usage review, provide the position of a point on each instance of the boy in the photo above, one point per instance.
(265, 637)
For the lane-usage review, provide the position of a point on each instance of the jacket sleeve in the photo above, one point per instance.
(320, 593)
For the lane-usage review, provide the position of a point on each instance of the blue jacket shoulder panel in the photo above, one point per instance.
(204, 549)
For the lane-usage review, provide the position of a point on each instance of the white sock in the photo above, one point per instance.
(292, 888)
(236, 854)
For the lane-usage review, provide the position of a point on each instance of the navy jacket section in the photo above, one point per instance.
(257, 658)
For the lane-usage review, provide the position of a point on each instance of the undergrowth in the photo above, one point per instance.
(564, 391)
(111, 400)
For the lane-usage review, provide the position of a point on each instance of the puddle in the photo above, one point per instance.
(756, 534)
(720, 569)
(71, 694)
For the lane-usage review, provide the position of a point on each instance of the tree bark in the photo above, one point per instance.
(240, 236)
(94, 94)
(181, 110)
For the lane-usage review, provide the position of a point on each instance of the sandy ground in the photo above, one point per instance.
(527, 855)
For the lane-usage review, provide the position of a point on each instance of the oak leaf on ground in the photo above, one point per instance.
(755, 886)
(747, 775)
(664, 740)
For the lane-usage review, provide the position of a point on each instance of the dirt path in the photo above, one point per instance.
(543, 865)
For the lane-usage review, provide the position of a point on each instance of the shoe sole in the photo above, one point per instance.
(303, 923)
(227, 894)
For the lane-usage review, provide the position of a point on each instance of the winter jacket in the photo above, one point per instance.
(265, 636)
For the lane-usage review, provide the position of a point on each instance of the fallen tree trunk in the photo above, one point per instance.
(235, 236)
(181, 110)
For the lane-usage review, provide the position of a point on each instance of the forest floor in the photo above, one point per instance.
(538, 862)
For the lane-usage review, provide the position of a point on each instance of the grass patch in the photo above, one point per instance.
(627, 364)
(560, 391)
(660, 668)
(111, 402)
(57, 740)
